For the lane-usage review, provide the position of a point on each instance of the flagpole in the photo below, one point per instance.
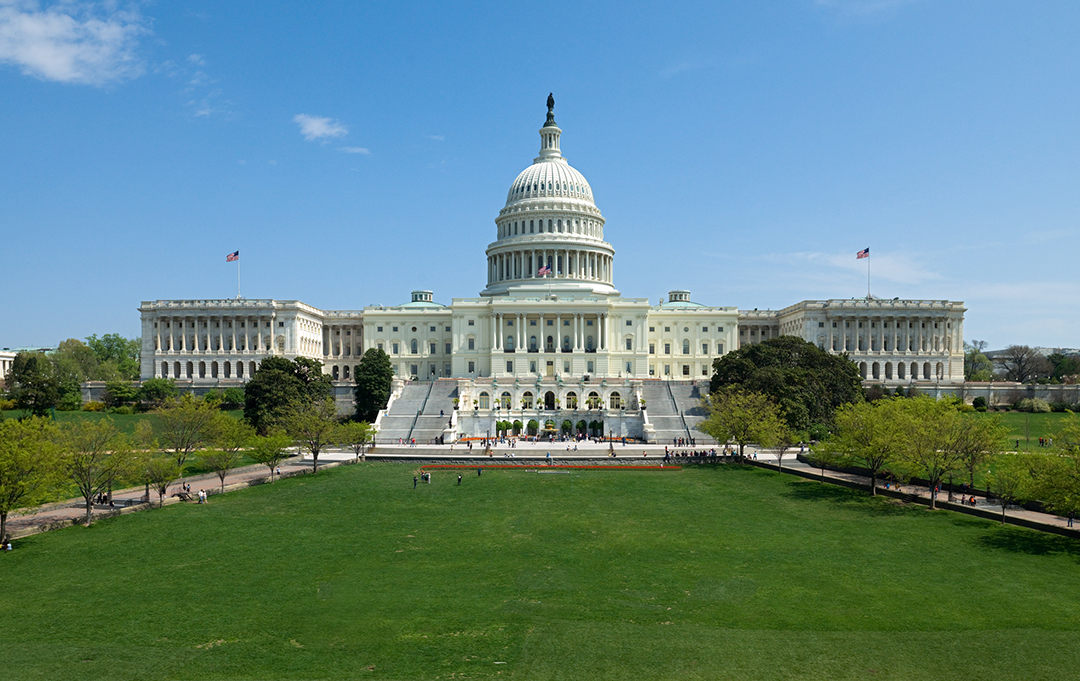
(238, 278)
(867, 276)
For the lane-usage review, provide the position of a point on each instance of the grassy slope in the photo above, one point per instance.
(125, 423)
(710, 574)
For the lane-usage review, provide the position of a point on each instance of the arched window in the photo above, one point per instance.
(164, 369)
(566, 343)
(615, 401)
(345, 372)
(485, 400)
(571, 400)
(228, 370)
(527, 400)
(550, 345)
(531, 227)
(509, 342)
(505, 399)
(532, 343)
(415, 346)
(334, 372)
(550, 228)
(589, 343)
(686, 346)
(593, 401)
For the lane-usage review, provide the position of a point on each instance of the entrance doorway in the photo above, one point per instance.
(550, 368)
(549, 400)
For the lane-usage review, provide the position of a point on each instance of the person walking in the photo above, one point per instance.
(459, 481)
(414, 482)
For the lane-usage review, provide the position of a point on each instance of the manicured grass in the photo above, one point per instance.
(1037, 425)
(125, 423)
(718, 573)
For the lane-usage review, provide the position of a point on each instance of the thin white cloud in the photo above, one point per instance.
(437, 138)
(318, 127)
(197, 60)
(72, 42)
(355, 150)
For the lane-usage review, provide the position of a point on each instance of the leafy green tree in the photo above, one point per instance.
(977, 367)
(33, 384)
(184, 425)
(74, 363)
(1063, 366)
(356, 435)
(1010, 481)
(232, 398)
(976, 439)
(155, 392)
(1023, 364)
(94, 455)
(926, 428)
(313, 424)
(120, 393)
(229, 437)
(117, 357)
(161, 471)
(743, 417)
(807, 383)
(270, 450)
(869, 434)
(374, 378)
(278, 385)
(29, 464)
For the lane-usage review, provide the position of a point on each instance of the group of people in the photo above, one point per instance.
(684, 441)
(690, 454)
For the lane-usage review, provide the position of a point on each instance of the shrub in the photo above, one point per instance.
(979, 403)
(126, 409)
(1032, 405)
(7, 405)
(70, 401)
(1061, 407)
(93, 405)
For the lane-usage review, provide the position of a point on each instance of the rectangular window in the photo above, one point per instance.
(629, 343)
(532, 367)
(509, 322)
(472, 367)
(686, 370)
(448, 348)
(433, 328)
(589, 367)
(629, 322)
(652, 370)
(652, 329)
(719, 348)
(510, 367)
(395, 348)
(380, 346)
(667, 369)
(532, 322)
(413, 370)
(667, 348)
(431, 347)
(472, 322)
(566, 322)
(472, 343)
(704, 348)
(652, 348)
(720, 329)
(704, 329)
(705, 370)
(667, 329)
(280, 324)
(629, 368)
(588, 322)
(395, 329)
(821, 325)
(566, 367)
(551, 322)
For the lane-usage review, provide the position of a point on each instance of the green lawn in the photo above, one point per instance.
(1028, 428)
(718, 573)
(125, 423)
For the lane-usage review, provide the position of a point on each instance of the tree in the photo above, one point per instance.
(976, 439)
(1009, 481)
(1022, 364)
(185, 424)
(160, 473)
(229, 436)
(926, 428)
(278, 385)
(119, 393)
(1063, 367)
(232, 398)
(977, 367)
(154, 392)
(117, 357)
(94, 455)
(374, 378)
(807, 383)
(313, 424)
(356, 435)
(33, 384)
(742, 417)
(270, 450)
(73, 363)
(869, 435)
(29, 464)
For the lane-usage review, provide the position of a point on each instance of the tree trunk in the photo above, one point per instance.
(314, 462)
(3, 526)
(1003, 511)
(873, 483)
(933, 496)
(89, 510)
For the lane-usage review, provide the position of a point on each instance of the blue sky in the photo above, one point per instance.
(354, 151)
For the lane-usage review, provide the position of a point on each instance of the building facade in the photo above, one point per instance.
(550, 327)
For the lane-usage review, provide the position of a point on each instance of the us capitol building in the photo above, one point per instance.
(550, 335)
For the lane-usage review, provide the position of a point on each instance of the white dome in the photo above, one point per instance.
(550, 178)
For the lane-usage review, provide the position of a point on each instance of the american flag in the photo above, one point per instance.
(544, 270)
(864, 253)
(235, 255)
